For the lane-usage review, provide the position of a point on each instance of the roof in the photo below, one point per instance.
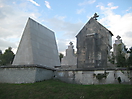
(96, 23)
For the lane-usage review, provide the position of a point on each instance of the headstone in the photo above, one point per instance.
(70, 59)
(119, 45)
(37, 46)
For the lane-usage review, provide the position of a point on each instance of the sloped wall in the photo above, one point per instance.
(37, 46)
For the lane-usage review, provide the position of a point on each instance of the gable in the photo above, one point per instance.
(93, 26)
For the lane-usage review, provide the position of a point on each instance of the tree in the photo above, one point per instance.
(0, 52)
(61, 56)
(7, 57)
(0, 56)
(130, 57)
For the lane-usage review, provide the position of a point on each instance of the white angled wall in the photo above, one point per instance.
(37, 46)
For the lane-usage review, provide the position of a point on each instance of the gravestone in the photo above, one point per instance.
(70, 59)
(37, 46)
(119, 46)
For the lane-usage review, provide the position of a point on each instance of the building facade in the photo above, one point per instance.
(94, 42)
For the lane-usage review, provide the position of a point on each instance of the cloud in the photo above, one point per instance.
(67, 29)
(109, 6)
(13, 18)
(86, 2)
(60, 17)
(47, 4)
(129, 9)
(63, 44)
(129, 34)
(34, 2)
(117, 24)
(80, 11)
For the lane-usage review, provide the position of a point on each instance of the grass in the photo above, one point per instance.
(54, 89)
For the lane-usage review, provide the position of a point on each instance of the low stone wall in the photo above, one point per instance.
(24, 74)
(34, 73)
(87, 77)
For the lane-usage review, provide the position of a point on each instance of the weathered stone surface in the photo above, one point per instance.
(31, 74)
(37, 46)
(93, 45)
(24, 74)
(91, 77)
(70, 59)
(119, 46)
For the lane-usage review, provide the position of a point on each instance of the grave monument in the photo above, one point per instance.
(94, 42)
(37, 46)
(70, 60)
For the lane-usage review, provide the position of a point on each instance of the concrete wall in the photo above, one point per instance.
(24, 75)
(90, 77)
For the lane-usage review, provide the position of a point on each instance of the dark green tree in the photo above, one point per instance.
(61, 56)
(0, 56)
(7, 57)
(130, 57)
(0, 52)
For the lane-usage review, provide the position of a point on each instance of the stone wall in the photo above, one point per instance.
(31, 74)
(87, 77)
(23, 74)
(93, 45)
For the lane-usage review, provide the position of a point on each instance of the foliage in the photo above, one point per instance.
(130, 60)
(7, 57)
(100, 76)
(54, 89)
(61, 56)
(130, 57)
(0, 52)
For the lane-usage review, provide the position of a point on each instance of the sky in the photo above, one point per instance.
(65, 17)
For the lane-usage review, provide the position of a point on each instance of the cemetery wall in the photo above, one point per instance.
(24, 74)
(94, 76)
(31, 74)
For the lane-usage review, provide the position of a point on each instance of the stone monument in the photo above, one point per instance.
(94, 42)
(37, 46)
(70, 59)
(119, 46)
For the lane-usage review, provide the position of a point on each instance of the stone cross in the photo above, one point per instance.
(70, 43)
(95, 16)
(118, 37)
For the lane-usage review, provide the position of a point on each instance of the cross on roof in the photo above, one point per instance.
(95, 16)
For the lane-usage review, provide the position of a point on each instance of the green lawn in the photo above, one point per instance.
(54, 89)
